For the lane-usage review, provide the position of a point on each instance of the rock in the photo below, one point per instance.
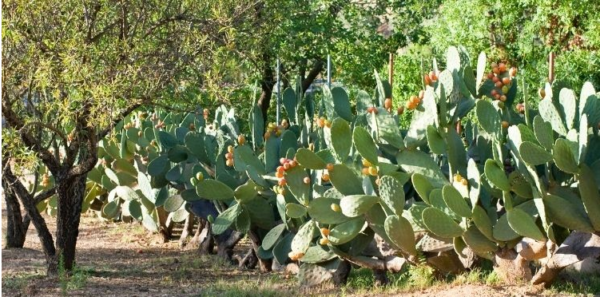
(511, 267)
(292, 268)
(577, 247)
(531, 249)
(587, 266)
(311, 275)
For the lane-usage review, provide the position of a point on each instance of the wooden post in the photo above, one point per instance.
(551, 68)
(278, 112)
(391, 70)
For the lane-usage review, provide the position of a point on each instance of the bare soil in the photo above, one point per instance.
(123, 259)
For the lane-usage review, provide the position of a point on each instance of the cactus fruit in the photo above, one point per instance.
(336, 207)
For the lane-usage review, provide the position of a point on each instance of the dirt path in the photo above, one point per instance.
(120, 259)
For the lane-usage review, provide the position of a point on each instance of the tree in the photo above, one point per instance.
(357, 35)
(73, 70)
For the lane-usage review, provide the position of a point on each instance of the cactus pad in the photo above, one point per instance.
(440, 223)
(356, 205)
(401, 233)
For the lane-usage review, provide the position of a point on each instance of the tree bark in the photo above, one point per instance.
(340, 276)
(16, 226)
(380, 276)
(314, 72)
(265, 265)
(207, 245)
(226, 242)
(266, 84)
(36, 218)
(188, 226)
(70, 192)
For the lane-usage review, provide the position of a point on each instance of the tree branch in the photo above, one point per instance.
(44, 195)
(314, 72)
(125, 112)
(47, 126)
(32, 143)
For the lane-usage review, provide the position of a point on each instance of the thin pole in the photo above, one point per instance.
(551, 68)
(278, 93)
(391, 70)
(329, 71)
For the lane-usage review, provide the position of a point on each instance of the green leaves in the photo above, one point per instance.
(341, 104)
(422, 186)
(435, 141)
(568, 102)
(481, 60)
(158, 166)
(543, 132)
(167, 141)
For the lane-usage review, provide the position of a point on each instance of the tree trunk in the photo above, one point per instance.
(188, 226)
(380, 276)
(266, 84)
(340, 276)
(38, 221)
(16, 227)
(70, 192)
(265, 265)
(314, 72)
(226, 242)
(207, 245)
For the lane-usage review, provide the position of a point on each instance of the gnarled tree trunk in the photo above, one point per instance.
(36, 218)
(16, 225)
(70, 192)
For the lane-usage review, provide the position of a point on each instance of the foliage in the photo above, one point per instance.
(524, 33)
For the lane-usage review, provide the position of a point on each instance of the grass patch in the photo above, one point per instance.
(20, 280)
(579, 284)
(263, 287)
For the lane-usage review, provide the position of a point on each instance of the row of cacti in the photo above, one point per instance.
(331, 178)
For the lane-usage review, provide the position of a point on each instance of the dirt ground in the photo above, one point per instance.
(121, 259)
